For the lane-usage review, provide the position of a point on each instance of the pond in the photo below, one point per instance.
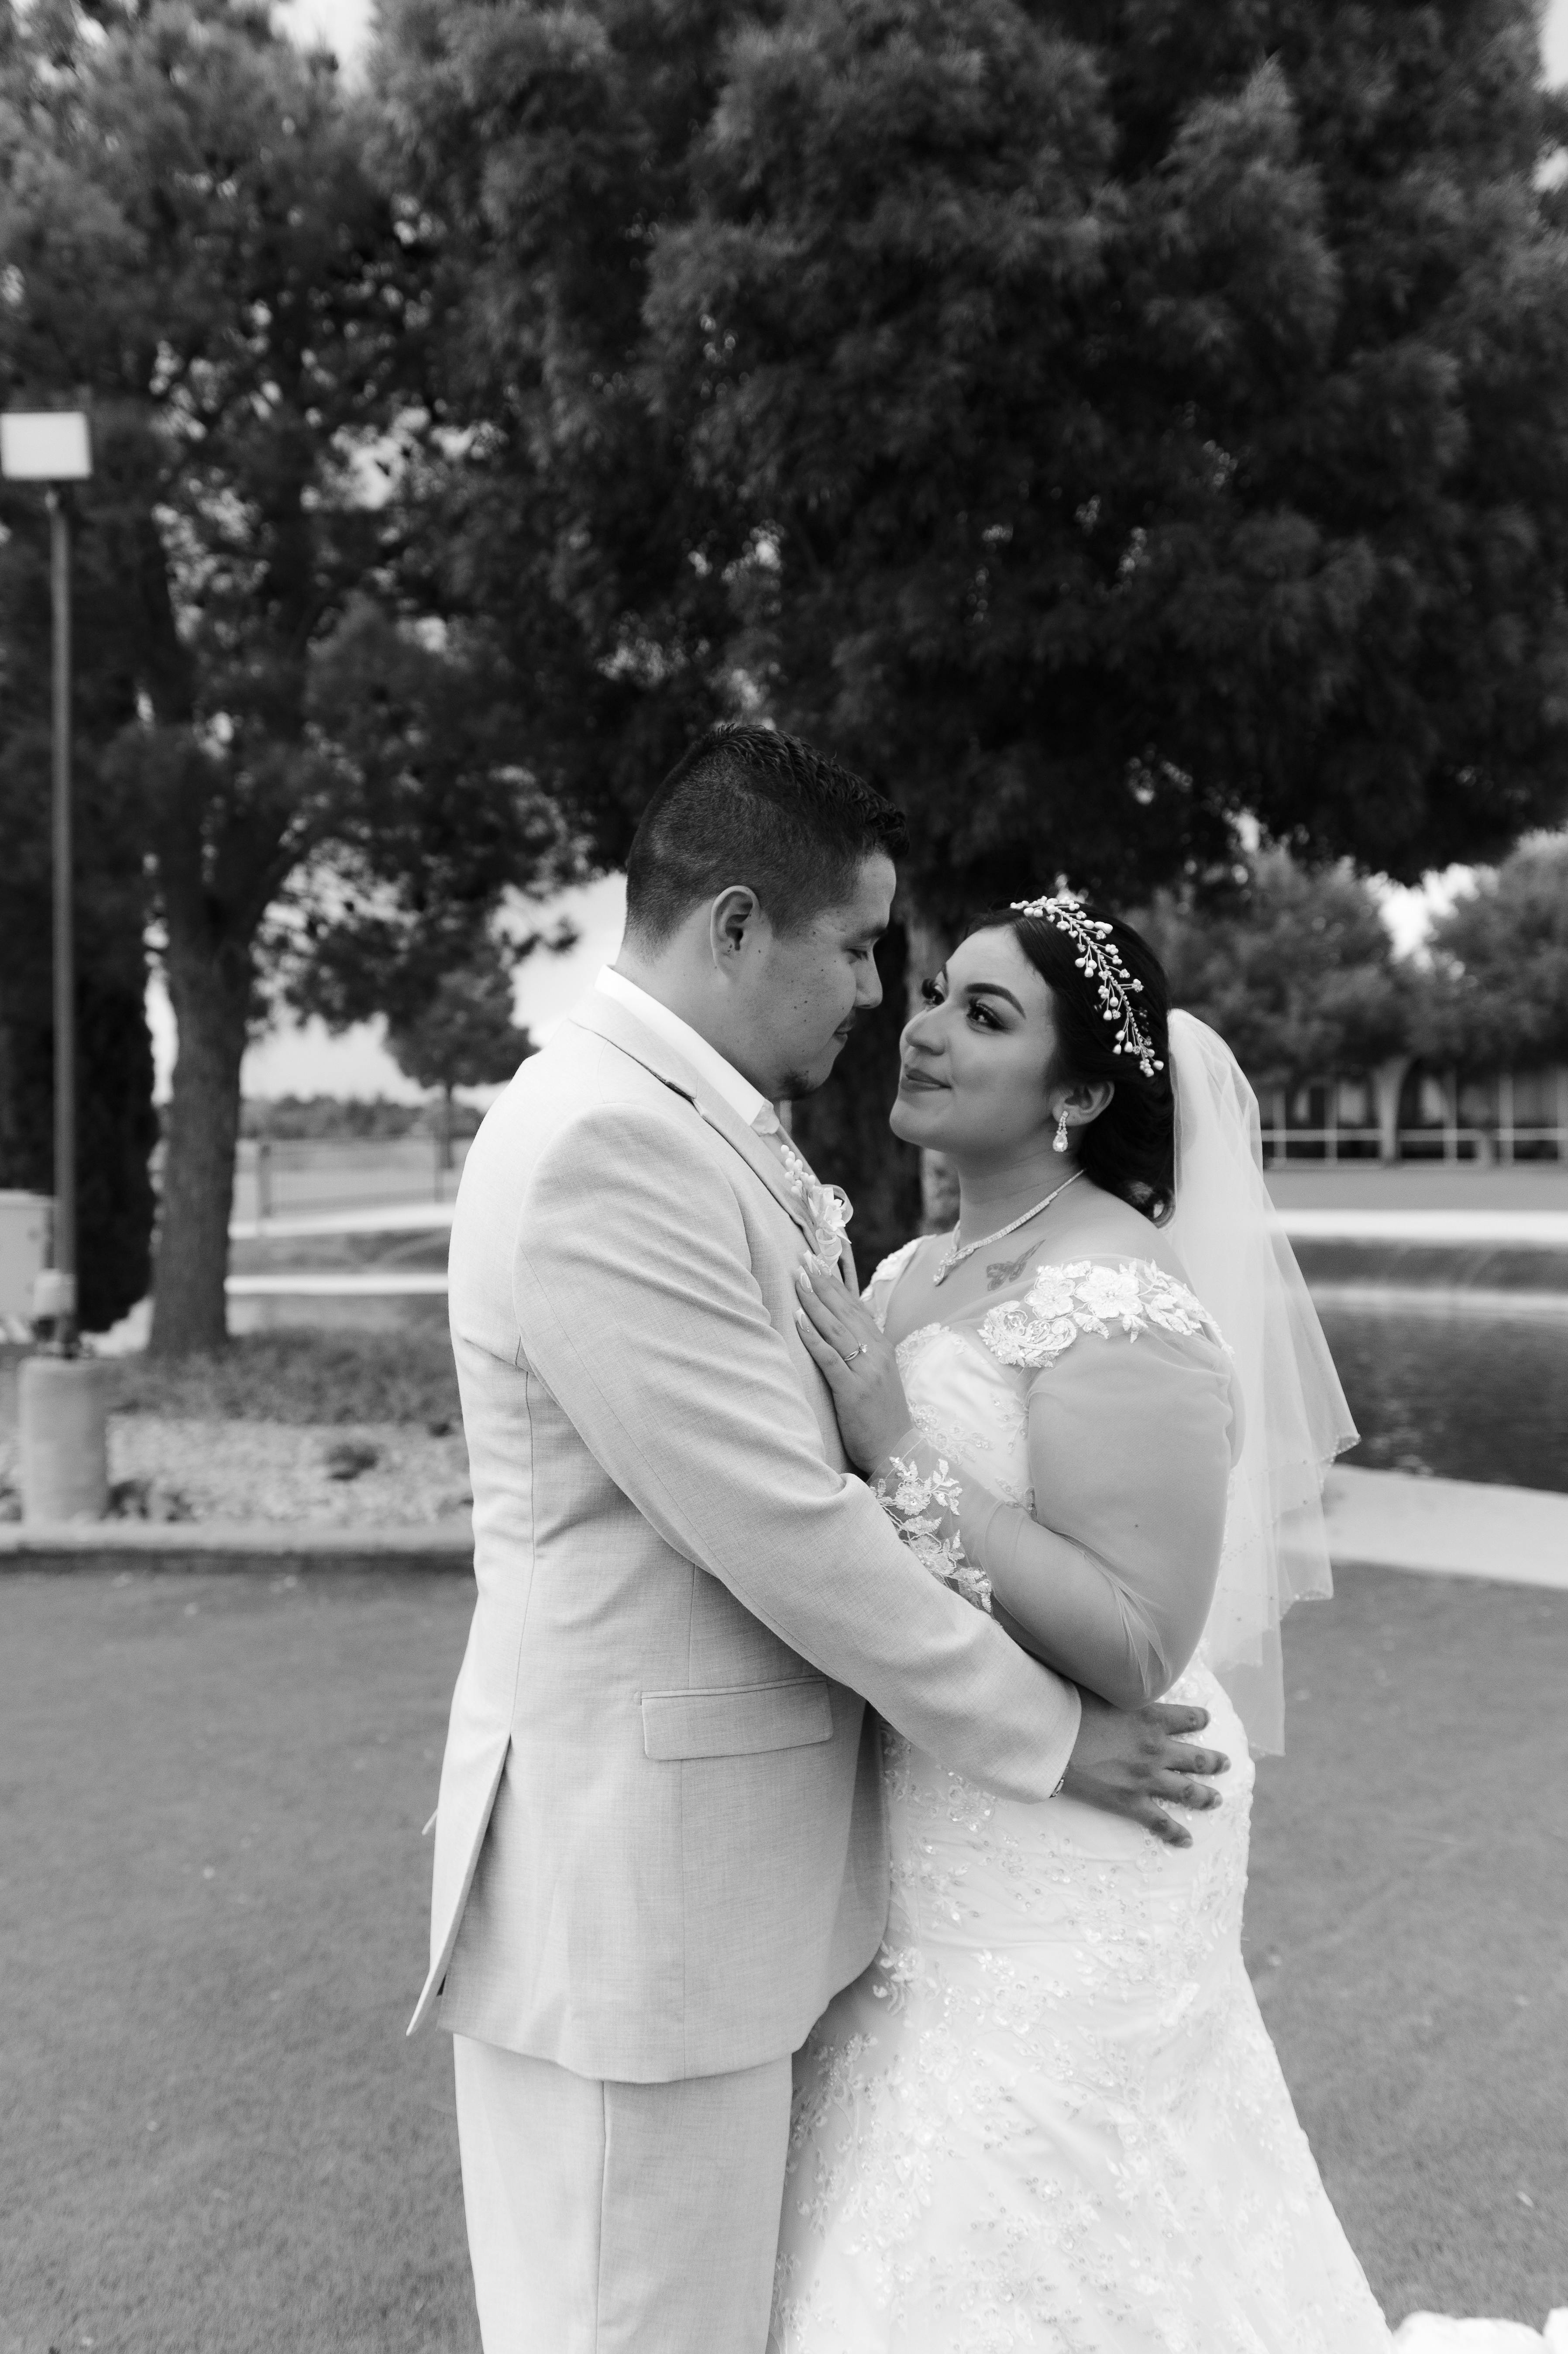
(1468, 1388)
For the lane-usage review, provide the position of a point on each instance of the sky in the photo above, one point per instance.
(307, 1060)
(344, 25)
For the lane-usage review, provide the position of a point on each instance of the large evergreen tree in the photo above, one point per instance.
(1102, 423)
(1149, 415)
(1099, 422)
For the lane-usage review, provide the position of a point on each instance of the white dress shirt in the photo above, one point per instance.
(706, 1060)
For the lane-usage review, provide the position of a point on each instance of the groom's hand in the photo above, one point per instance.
(1126, 1761)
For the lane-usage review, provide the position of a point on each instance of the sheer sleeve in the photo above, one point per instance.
(1130, 1431)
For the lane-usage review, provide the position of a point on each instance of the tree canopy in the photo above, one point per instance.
(1101, 424)
(1296, 972)
(192, 238)
(465, 1036)
(1498, 994)
(1123, 430)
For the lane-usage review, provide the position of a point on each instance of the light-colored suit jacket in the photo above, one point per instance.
(661, 1845)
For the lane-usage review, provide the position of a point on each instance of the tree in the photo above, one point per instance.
(1098, 423)
(465, 1036)
(1143, 418)
(189, 231)
(1105, 425)
(117, 1126)
(1497, 997)
(542, 146)
(1296, 972)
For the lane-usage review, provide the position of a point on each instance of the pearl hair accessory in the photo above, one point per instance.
(1099, 956)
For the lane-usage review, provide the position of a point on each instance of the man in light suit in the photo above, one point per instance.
(661, 1844)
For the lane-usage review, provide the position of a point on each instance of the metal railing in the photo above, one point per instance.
(1488, 1147)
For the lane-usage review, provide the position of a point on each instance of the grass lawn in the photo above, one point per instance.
(1418, 1185)
(212, 1898)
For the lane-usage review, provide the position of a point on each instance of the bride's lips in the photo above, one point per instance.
(912, 1079)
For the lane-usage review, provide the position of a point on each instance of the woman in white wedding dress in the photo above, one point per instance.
(1050, 2115)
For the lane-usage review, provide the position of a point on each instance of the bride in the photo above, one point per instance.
(1049, 2115)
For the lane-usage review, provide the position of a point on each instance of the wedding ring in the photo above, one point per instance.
(857, 1352)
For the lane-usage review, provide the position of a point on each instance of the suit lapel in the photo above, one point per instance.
(604, 1018)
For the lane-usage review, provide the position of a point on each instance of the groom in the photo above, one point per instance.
(661, 1845)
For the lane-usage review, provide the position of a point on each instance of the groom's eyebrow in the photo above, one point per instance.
(992, 988)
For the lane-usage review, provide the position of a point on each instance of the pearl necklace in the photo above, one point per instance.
(957, 1252)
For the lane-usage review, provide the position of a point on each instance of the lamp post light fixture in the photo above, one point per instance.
(64, 1460)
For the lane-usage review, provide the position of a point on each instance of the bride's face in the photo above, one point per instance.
(976, 1059)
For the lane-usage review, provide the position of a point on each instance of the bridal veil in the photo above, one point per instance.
(1238, 1261)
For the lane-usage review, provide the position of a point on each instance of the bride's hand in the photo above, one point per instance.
(858, 1364)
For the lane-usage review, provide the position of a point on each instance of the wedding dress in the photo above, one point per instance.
(1050, 2115)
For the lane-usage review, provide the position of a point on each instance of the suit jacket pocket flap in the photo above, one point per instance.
(736, 1721)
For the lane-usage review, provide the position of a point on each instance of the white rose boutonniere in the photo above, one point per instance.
(828, 1207)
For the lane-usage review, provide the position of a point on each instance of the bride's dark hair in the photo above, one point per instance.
(1130, 1149)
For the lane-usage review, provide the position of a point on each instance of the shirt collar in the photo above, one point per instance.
(706, 1061)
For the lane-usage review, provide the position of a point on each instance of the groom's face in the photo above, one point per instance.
(806, 987)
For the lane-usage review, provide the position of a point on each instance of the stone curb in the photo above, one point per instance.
(1377, 1520)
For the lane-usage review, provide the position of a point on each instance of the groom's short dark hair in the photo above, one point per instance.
(749, 805)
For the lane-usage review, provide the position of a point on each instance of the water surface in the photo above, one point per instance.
(1470, 1389)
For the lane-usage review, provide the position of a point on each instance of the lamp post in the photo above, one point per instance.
(64, 1461)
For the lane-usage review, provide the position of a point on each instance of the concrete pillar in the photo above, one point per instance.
(63, 1423)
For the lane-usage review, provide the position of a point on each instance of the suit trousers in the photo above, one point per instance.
(608, 2217)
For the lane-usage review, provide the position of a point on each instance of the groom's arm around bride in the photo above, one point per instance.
(661, 1845)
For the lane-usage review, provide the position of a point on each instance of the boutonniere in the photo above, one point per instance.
(828, 1207)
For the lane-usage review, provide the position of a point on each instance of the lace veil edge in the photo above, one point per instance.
(1296, 1419)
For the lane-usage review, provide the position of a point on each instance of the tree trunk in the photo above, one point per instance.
(1388, 1080)
(210, 989)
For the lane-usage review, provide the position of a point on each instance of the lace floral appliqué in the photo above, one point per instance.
(1088, 1296)
(917, 1505)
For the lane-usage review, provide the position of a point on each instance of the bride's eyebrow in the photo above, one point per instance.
(992, 989)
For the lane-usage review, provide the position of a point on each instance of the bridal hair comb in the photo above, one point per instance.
(1097, 955)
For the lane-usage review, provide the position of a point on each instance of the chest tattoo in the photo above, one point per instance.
(999, 1271)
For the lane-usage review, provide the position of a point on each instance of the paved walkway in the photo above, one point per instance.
(1419, 1185)
(1447, 1528)
(1527, 1208)
(371, 1218)
(1515, 1229)
(339, 1283)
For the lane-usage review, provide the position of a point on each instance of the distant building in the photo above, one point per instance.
(1411, 1110)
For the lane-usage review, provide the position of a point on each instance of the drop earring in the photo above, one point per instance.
(1059, 1142)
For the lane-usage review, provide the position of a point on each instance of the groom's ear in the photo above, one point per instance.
(732, 921)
